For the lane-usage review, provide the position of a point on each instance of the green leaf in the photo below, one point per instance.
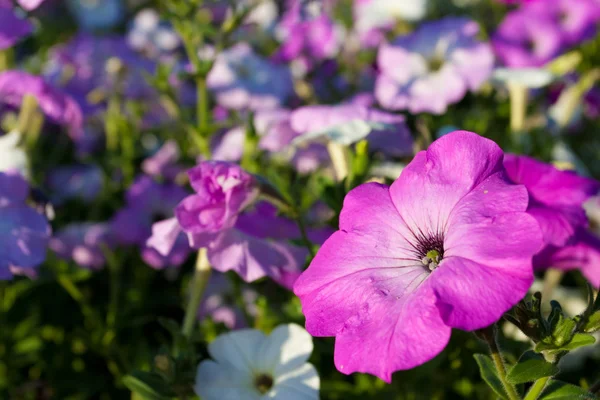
(557, 390)
(148, 385)
(593, 323)
(579, 340)
(489, 374)
(530, 367)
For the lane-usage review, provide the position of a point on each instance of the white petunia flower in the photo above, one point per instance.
(248, 365)
(12, 155)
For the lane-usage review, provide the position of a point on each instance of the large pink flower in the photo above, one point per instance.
(448, 245)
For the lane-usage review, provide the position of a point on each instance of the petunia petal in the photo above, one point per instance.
(433, 183)
(286, 349)
(472, 296)
(216, 381)
(237, 349)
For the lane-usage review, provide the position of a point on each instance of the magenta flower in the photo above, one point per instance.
(556, 201)
(447, 245)
(84, 243)
(12, 28)
(24, 232)
(222, 191)
(307, 32)
(442, 61)
(556, 197)
(55, 104)
(581, 251)
(241, 79)
(577, 20)
(526, 39)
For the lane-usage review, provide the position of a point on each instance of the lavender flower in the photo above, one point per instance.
(441, 61)
(241, 79)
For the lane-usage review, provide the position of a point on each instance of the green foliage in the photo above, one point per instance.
(489, 373)
(530, 367)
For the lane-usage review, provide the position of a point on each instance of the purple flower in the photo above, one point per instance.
(54, 103)
(218, 304)
(24, 232)
(241, 79)
(527, 39)
(577, 20)
(84, 243)
(222, 191)
(163, 162)
(556, 197)
(440, 61)
(307, 32)
(556, 201)
(12, 28)
(254, 248)
(79, 181)
(80, 68)
(149, 201)
(581, 251)
(348, 123)
(447, 245)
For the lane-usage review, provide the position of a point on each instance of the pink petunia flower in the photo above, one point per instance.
(447, 245)
(556, 202)
(222, 190)
(58, 106)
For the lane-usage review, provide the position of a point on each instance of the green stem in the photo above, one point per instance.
(491, 339)
(337, 153)
(199, 282)
(537, 388)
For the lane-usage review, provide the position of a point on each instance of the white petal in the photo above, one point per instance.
(220, 382)
(286, 349)
(534, 78)
(238, 349)
(345, 134)
(300, 384)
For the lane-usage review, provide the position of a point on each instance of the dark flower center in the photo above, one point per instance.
(263, 383)
(435, 63)
(430, 250)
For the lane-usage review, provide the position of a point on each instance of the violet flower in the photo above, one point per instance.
(79, 181)
(149, 201)
(524, 39)
(80, 68)
(240, 79)
(556, 197)
(556, 202)
(250, 241)
(12, 28)
(24, 232)
(442, 61)
(349, 123)
(222, 191)
(84, 243)
(306, 31)
(58, 106)
(448, 245)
